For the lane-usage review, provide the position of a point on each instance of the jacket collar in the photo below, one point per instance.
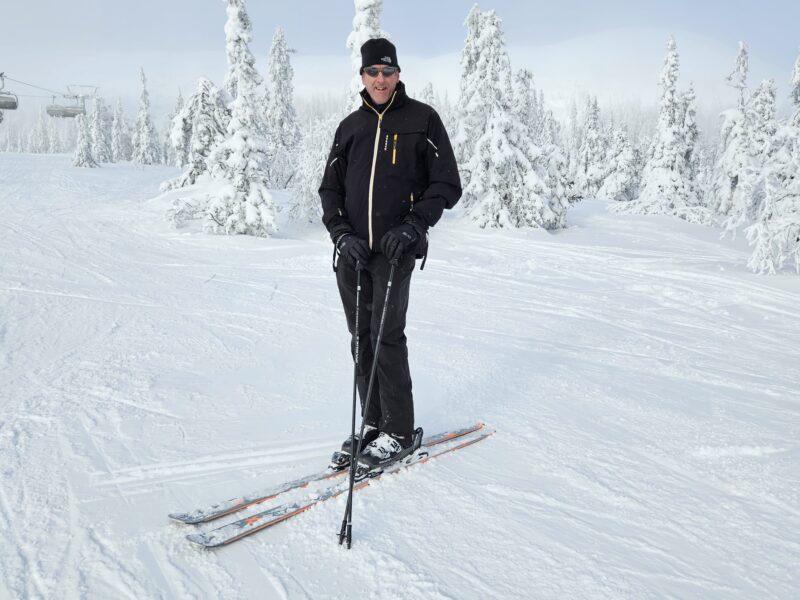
(399, 99)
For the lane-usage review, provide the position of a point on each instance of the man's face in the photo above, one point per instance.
(380, 88)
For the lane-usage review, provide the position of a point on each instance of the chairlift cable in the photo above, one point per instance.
(34, 86)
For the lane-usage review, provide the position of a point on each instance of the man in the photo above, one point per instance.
(390, 175)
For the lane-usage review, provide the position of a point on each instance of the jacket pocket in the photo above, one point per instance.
(406, 148)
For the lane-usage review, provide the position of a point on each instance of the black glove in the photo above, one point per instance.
(398, 240)
(354, 248)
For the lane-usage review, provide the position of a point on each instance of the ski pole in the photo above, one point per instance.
(355, 386)
(347, 523)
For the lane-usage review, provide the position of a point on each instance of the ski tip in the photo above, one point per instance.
(188, 518)
(201, 540)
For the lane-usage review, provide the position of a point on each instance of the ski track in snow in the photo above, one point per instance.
(643, 385)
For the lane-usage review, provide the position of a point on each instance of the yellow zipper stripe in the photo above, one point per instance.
(374, 160)
(394, 149)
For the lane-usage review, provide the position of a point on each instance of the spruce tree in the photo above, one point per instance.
(241, 62)
(243, 205)
(620, 180)
(121, 146)
(283, 131)
(690, 133)
(366, 26)
(775, 234)
(314, 149)
(761, 126)
(735, 168)
(168, 151)
(101, 149)
(738, 77)
(53, 138)
(794, 82)
(591, 167)
(197, 129)
(506, 174)
(145, 139)
(83, 151)
(667, 186)
(38, 137)
(469, 119)
(427, 96)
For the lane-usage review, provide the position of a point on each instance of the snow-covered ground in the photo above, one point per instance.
(645, 389)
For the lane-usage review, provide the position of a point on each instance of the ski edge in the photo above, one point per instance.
(204, 540)
(233, 505)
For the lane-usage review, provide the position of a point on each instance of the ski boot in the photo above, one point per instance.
(341, 460)
(387, 449)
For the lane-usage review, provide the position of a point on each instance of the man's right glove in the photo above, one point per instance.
(354, 248)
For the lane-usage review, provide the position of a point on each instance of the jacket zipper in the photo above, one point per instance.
(374, 160)
(394, 149)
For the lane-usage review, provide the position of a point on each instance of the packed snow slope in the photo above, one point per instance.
(643, 384)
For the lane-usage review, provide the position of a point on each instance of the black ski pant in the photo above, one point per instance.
(392, 406)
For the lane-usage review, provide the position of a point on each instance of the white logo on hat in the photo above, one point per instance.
(387, 59)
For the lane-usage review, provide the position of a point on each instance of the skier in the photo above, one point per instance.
(390, 175)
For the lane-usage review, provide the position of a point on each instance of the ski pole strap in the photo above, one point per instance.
(336, 253)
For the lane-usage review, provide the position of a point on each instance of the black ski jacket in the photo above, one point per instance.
(387, 168)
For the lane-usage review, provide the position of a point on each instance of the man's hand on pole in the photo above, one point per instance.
(396, 242)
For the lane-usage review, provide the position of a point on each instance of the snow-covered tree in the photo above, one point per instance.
(469, 119)
(283, 130)
(238, 34)
(427, 96)
(37, 138)
(735, 168)
(795, 92)
(506, 172)
(145, 139)
(760, 128)
(168, 151)
(761, 117)
(542, 131)
(689, 131)
(591, 159)
(366, 26)
(83, 151)
(101, 148)
(197, 129)
(313, 153)
(620, 179)
(243, 206)
(775, 234)
(121, 146)
(738, 77)
(53, 137)
(667, 186)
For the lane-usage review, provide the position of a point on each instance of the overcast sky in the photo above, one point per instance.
(612, 48)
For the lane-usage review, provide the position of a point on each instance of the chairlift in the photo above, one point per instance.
(8, 100)
(78, 95)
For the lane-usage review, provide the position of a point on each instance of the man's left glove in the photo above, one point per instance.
(398, 240)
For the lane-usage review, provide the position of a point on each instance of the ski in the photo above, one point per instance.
(242, 528)
(227, 507)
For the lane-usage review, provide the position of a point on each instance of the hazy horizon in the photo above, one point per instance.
(614, 51)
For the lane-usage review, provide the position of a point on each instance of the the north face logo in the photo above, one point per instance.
(387, 59)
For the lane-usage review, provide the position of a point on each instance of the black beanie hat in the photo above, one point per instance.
(378, 51)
